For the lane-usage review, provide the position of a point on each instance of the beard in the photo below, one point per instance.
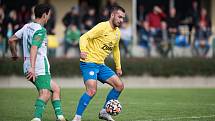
(115, 24)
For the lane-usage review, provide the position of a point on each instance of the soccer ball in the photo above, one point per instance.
(113, 107)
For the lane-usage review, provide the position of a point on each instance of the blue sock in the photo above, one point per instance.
(83, 102)
(113, 94)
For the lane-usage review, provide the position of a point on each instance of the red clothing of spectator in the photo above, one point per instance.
(204, 20)
(154, 19)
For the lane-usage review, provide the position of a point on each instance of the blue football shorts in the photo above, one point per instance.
(95, 71)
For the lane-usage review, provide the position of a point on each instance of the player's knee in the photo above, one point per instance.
(91, 92)
(45, 94)
(120, 87)
(56, 90)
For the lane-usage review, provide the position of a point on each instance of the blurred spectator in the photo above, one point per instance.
(141, 14)
(154, 18)
(191, 18)
(71, 38)
(2, 31)
(9, 30)
(104, 15)
(173, 23)
(201, 44)
(52, 45)
(24, 16)
(50, 26)
(1, 45)
(72, 17)
(213, 45)
(2, 15)
(126, 38)
(83, 7)
(12, 26)
(144, 36)
(194, 14)
(181, 39)
(89, 20)
(110, 4)
(13, 20)
(9, 33)
(162, 40)
(204, 19)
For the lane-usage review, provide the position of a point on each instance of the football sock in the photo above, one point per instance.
(39, 108)
(83, 102)
(57, 107)
(113, 94)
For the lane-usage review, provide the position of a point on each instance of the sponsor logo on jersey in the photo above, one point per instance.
(108, 46)
(37, 38)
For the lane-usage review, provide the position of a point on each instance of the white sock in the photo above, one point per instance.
(60, 116)
(78, 116)
(37, 119)
(103, 110)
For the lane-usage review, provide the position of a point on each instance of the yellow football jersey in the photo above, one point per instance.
(99, 42)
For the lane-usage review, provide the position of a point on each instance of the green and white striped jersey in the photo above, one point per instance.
(34, 34)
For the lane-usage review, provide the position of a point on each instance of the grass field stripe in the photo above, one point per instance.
(178, 118)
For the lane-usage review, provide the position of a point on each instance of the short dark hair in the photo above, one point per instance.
(40, 9)
(116, 8)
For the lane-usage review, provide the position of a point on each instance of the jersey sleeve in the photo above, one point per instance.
(116, 54)
(38, 37)
(19, 33)
(90, 35)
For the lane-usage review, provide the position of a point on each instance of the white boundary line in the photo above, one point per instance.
(178, 118)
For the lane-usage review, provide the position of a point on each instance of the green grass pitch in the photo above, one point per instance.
(138, 105)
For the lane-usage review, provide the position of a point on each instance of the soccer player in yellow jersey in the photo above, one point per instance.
(95, 46)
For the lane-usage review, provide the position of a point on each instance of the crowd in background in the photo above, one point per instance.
(10, 22)
(155, 29)
(169, 30)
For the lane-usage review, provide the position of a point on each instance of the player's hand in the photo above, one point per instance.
(31, 74)
(83, 55)
(119, 72)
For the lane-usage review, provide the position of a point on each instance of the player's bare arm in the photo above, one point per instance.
(116, 55)
(12, 43)
(83, 44)
(33, 56)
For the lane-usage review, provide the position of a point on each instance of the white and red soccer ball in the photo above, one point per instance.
(113, 107)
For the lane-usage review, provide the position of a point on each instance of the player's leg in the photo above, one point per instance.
(89, 72)
(91, 88)
(40, 104)
(114, 93)
(42, 84)
(118, 87)
(56, 102)
(106, 75)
